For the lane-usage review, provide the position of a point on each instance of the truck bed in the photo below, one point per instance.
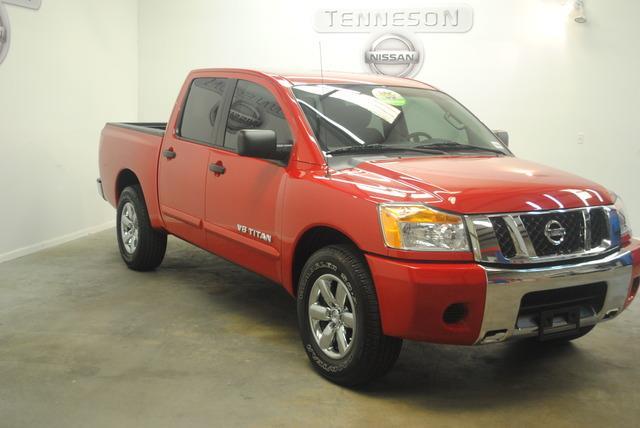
(127, 147)
(153, 128)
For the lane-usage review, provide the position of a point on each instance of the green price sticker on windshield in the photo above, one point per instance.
(389, 97)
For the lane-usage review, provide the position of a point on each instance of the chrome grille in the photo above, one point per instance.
(528, 238)
(573, 223)
(599, 227)
(503, 236)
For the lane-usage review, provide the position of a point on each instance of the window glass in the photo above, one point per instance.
(201, 109)
(358, 115)
(426, 113)
(254, 107)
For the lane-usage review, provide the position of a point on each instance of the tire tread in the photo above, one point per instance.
(152, 243)
(382, 351)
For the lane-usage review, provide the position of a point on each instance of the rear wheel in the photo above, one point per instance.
(339, 318)
(141, 246)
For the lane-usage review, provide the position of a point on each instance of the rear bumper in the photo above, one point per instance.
(413, 297)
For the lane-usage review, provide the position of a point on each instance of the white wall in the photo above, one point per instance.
(73, 65)
(523, 67)
(76, 64)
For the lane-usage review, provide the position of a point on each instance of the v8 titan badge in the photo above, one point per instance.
(394, 54)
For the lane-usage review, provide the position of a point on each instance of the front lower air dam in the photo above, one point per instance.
(5, 27)
(5, 32)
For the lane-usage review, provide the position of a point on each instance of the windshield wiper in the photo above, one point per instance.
(444, 145)
(323, 96)
(385, 148)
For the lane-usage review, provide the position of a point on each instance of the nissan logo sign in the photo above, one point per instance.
(555, 232)
(394, 55)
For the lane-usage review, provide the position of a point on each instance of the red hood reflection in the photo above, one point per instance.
(472, 185)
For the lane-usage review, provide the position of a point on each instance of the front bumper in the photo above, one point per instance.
(413, 297)
(507, 287)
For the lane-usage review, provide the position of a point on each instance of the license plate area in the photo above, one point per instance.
(558, 322)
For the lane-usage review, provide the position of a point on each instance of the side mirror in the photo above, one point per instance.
(503, 136)
(257, 143)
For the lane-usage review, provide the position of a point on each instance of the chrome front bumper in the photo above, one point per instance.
(506, 288)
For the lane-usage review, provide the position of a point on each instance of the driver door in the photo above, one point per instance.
(243, 193)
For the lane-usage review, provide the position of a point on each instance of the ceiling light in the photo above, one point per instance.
(577, 12)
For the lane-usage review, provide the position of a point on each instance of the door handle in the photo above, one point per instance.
(169, 154)
(217, 168)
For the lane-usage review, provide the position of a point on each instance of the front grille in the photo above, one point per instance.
(522, 237)
(505, 241)
(590, 297)
(599, 227)
(572, 221)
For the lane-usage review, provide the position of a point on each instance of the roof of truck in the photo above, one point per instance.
(336, 78)
(329, 77)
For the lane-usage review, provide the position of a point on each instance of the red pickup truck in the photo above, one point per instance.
(383, 205)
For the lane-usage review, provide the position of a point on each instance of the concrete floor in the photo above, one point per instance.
(200, 342)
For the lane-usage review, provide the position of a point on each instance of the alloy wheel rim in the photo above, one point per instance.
(332, 316)
(129, 229)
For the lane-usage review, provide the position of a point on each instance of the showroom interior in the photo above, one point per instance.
(200, 340)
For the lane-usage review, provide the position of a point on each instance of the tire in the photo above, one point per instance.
(355, 350)
(143, 247)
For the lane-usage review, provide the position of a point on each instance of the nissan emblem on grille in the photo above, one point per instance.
(554, 232)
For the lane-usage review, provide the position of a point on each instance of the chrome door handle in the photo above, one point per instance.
(217, 168)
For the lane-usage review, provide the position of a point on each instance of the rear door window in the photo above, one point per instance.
(202, 109)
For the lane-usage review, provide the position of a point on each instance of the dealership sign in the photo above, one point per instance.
(435, 19)
(394, 49)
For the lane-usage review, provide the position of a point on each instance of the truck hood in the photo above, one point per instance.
(471, 185)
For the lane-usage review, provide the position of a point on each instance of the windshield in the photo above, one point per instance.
(355, 117)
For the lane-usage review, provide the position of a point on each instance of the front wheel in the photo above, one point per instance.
(339, 318)
(141, 246)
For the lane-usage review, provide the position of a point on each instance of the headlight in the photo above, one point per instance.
(419, 228)
(625, 228)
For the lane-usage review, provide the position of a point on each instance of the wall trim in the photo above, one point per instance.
(34, 248)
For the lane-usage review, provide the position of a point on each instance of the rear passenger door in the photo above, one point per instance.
(184, 156)
(241, 220)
